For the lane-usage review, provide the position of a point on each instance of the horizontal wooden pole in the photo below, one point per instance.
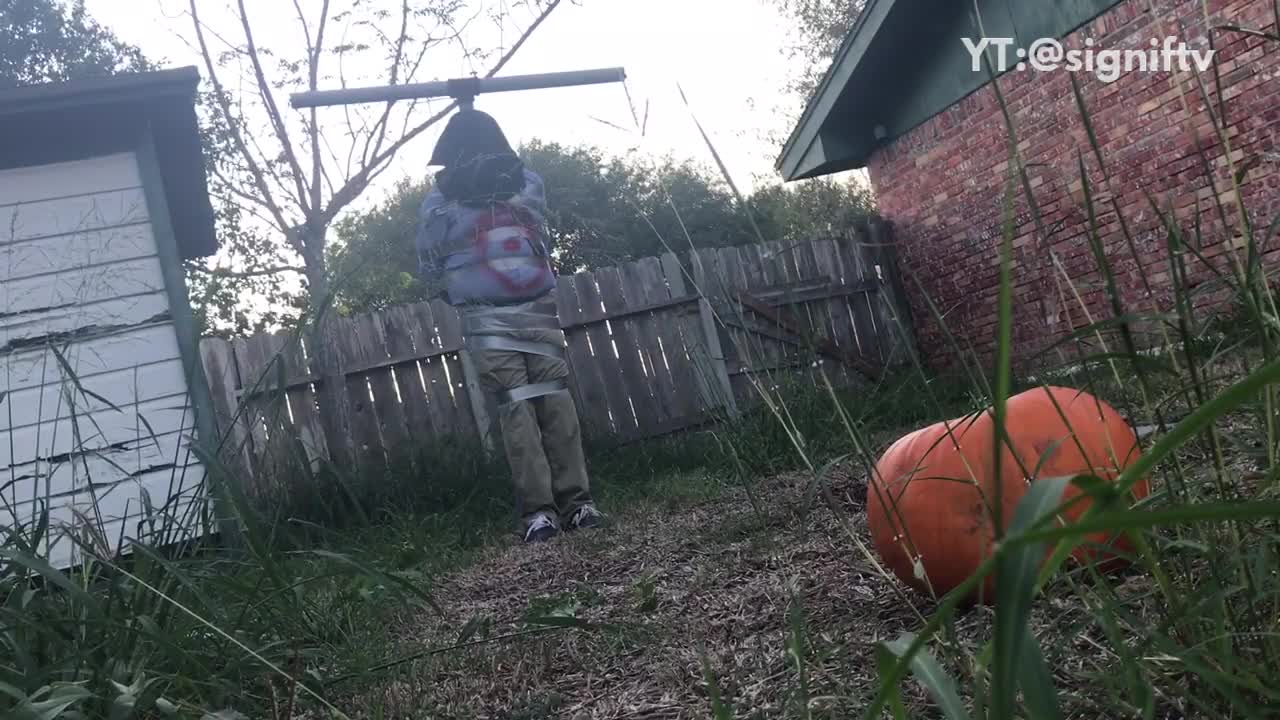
(461, 88)
(599, 317)
(666, 427)
(810, 291)
(293, 382)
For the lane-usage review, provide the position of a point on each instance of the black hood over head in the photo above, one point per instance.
(479, 164)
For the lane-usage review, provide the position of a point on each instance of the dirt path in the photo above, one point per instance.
(711, 577)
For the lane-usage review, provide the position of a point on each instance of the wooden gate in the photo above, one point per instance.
(781, 307)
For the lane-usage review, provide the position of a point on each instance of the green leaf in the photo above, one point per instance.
(940, 686)
(471, 629)
(12, 692)
(226, 714)
(1137, 519)
(1037, 682)
(122, 707)
(373, 572)
(1095, 487)
(61, 697)
(885, 664)
(51, 574)
(1016, 573)
(559, 621)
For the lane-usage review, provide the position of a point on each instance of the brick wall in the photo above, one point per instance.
(943, 184)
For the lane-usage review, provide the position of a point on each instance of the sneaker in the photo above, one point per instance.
(586, 517)
(540, 528)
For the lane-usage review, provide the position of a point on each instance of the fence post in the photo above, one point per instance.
(880, 253)
(716, 354)
(223, 375)
(706, 324)
(476, 395)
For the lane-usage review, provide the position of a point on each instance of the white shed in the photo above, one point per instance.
(103, 193)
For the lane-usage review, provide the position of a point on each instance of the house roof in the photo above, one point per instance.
(59, 122)
(904, 62)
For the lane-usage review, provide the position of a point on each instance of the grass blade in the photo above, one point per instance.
(719, 708)
(1016, 572)
(889, 687)
(1036, 681)
(940, 686)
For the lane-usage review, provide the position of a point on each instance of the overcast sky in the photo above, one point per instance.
(727, 54)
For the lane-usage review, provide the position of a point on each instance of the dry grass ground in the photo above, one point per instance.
(660, 588)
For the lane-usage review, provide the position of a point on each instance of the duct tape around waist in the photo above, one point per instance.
(496, 320)
(503, 342)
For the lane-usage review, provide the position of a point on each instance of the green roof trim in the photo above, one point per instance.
(904, 62)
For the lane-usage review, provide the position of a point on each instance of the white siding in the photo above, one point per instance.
(79, 269)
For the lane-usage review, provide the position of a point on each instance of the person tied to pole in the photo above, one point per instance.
(482, 240)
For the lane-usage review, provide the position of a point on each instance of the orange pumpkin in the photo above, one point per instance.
(925, 500)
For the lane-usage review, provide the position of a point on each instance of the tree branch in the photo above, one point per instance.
(380, 128)
(232, 189)
(225, 273)
(273, 112)
(234, 127)
(317, 166)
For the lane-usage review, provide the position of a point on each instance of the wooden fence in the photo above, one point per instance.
(654, 346)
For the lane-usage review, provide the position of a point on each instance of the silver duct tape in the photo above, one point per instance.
(529, 392)
(491, 322)
(501, 342)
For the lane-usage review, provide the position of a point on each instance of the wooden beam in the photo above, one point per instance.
(810, 291)
(667, 427)
(296, 381)
(824, 346)
(596, 318)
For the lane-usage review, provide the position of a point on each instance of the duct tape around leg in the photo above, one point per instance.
(529, 392)
(500, 342)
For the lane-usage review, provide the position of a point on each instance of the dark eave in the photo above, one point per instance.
(904, 62)
(801, 143)
(60, 122)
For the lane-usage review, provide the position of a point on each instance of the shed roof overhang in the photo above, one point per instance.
(60, 122)
(903, 62)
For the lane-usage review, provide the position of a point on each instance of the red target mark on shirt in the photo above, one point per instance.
(510, 229)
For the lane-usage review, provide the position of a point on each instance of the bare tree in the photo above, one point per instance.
(285, 170)
(819, 26)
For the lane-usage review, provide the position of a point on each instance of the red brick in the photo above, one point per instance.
(942, 184)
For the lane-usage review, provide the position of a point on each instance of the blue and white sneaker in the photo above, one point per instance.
(585, 517)
(540, 528)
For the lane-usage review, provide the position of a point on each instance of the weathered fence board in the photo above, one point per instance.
(653, 346)
(620, 414)
(404, 339)
(586, 381)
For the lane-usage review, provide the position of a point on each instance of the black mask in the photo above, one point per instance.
(479, 164)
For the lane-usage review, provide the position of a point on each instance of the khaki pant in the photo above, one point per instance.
(542, 438)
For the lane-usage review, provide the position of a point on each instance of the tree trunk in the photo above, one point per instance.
(335, 411)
